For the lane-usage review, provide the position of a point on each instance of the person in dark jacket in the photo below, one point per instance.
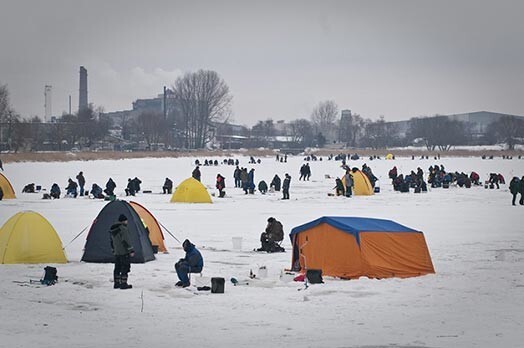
(514, 188)
(168, 186)
(130, 189)
(96, 191)
(196, 173)
(191, 263)
(71, 189)
(262, 187)
(55, 191)
(244, 178)
(251, 181)
(137, 183)
(272, 236)
(276, 182)
(1, 165)
(1, 193)
(221, 185)
(521, 190)
(81, 182)
(29, 188)
(285, 186)
(339, 187)
(123, 252)
(236, 176)
(110, 187)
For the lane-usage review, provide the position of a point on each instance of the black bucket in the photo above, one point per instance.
(217, 285)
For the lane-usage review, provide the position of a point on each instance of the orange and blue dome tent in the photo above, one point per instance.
(352, 247)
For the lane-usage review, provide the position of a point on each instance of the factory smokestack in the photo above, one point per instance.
(82, 95)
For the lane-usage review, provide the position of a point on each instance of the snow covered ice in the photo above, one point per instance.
(475, 238)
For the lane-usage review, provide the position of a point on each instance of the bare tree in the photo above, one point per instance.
(152, 126)
(438, 131)
(302, 132)
(203, 98)
(324, 116)
(507, 129)
(264, 128)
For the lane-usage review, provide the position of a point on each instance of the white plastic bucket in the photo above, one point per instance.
(237, 243)
(262, 272)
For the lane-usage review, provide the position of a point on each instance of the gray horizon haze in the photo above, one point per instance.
(399, 59)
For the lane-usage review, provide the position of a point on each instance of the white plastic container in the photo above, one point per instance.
(262, 272)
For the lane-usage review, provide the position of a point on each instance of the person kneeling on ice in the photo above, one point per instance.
(123, 251)
(192, 263)
(272, 236)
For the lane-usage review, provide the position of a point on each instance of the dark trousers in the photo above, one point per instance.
(521, 202)
(167, 190)
(515, 198)
(285, 192)
(348, 191)
(238, 183)
(183, 268)
(122, 266)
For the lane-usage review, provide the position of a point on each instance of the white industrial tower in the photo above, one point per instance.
(48, 103)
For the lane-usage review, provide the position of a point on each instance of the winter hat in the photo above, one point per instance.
(122, 218)
(186, 244)
(271, 219)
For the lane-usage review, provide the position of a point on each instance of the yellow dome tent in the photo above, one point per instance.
(7, 188)
(362, 185)
(155, 233)
(27, 237)
(389, 156)
(191, 191)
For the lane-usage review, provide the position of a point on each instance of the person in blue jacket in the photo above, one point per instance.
(192, 263)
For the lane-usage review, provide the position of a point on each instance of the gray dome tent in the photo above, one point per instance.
(98, 244)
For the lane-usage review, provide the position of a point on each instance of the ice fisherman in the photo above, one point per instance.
(123, 251)
(191, 263)
(272, 236)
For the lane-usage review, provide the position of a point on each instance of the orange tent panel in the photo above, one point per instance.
(401, 255)
(155, 233)
(335, 252)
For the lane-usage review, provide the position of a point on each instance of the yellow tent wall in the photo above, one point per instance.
(389, 156)
(27, 237)
(191, 191)
(155, 233)
(9, 192)
(362, 185)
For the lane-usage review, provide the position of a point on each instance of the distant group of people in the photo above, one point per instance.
(133, 186)
(281, 158)
(412, 180)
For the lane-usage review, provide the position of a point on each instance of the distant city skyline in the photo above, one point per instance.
(399, 59)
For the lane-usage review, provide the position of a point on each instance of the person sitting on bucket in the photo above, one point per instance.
(274, 233)
(192, 263)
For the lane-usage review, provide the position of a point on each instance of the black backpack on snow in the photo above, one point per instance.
(50, 277)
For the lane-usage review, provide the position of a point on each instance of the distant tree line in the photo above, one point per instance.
(200, 109)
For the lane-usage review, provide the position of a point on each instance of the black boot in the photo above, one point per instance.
(117, 282)
(124, 285)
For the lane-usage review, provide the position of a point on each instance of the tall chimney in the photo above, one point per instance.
(82, 95)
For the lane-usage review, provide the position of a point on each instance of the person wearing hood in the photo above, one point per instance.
(191, 263)
(168, 186)
(123, 252)
(514, 188)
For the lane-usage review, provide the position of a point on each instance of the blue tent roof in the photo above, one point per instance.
(354, 225)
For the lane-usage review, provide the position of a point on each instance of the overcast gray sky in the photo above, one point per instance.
(280, 58)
